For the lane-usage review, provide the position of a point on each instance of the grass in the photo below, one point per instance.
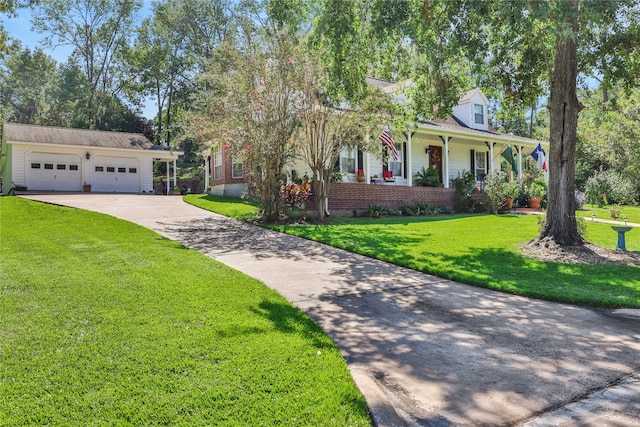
(228, 206)
(631, 212)
(103, 322)
(483, 250)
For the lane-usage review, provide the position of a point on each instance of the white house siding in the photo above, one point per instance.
(18, 154)
(463, 113)
(146, 169)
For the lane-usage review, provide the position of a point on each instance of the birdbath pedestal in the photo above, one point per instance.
(621, 229)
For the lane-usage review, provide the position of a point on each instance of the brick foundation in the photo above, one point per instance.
(347, 197)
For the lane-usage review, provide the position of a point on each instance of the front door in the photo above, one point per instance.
(435, 159)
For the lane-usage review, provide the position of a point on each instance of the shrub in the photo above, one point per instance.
(465, 186)
(497, 188)
(605, 187)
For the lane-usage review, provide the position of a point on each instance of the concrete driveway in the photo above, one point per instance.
(424, 351)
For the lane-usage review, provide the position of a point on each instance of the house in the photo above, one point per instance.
(61, 159)
(463, 141)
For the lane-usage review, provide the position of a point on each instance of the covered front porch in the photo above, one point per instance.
(447, 146)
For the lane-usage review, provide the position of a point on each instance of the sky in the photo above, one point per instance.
(19, 27)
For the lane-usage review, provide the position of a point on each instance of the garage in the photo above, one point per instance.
(45, 158)
(54, 172)
(115, 174)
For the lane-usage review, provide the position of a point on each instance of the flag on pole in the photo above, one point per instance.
(538, 154)
(508, 155)
(388, 141)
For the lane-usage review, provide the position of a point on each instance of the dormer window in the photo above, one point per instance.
(478, 113)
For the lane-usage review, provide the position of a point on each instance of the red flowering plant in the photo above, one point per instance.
(294, 194)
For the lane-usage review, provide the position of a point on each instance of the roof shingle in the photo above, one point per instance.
(15, 132)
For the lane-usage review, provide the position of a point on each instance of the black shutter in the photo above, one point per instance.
(486, 163)
(473, 161)
(404, 160)
(360, 161)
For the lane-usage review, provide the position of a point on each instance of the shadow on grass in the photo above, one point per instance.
(290, 320)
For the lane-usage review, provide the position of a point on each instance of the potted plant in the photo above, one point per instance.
(361, 177)
(86, 187)
(427, 177)
(511, 192)
(536, 192)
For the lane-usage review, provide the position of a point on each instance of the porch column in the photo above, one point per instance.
(445, 178)
(175, 180)
(167, 163)
(491, 167)
(520, 164)
(409, 158)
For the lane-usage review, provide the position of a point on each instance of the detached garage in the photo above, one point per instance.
(59, 159)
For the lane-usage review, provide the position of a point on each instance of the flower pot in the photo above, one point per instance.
(534, 203)
(508, 202)
(361, 178)
(86, 188)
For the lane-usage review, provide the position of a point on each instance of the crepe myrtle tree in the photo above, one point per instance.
(327, 126)
(248, 109)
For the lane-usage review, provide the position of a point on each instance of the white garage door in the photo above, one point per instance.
(115, 174)
(57, 172)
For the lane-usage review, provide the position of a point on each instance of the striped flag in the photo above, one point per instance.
(388, 141)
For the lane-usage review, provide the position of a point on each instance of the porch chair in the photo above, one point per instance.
(387, 176)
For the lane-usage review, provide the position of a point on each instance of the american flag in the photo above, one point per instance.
(388, 141)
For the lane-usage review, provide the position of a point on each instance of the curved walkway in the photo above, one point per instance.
(424, 351)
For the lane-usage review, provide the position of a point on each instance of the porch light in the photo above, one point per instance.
(88, 155)
(427, 150)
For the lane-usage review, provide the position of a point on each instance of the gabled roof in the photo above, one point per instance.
(15, 132)
(468, 95)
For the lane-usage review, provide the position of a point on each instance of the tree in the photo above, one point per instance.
(10, 8)
(249, 111)
(97, 30)
(327, 125)
(28, 79)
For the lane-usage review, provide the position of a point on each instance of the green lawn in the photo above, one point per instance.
(103, 322)
(484, 250)
(631, 212)
(227, 206)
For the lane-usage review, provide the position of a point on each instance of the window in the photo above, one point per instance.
(73, 167)
(122, 170)
(99, 168)
(61, 167)
(133, 170)
(35, 165)
(217, 163)
(236, 168)
(111, 169)
(396, 167)
(48, 165)
(481, 165)
(478, 114)
(348, 160)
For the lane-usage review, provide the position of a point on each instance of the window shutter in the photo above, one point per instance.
(486, 164)
(360, 161)
(473, 161)
(404, 160)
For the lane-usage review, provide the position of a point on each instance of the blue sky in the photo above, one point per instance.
(19, 27)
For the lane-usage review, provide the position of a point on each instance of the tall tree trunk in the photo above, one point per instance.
(561, 226)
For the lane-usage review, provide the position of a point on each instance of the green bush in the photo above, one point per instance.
(497, 188)
(465, 186)
(605, 187)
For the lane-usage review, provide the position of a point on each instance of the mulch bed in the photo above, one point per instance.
(548, 250)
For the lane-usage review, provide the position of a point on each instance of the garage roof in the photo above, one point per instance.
(15, 132)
